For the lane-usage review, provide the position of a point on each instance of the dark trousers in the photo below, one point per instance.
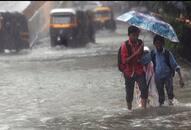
(129, 85)
(168, 84)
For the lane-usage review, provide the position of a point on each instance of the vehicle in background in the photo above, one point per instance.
(70, 27)
(14, 33)
(104, 18)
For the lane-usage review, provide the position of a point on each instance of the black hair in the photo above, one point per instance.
(158, 38)
(133, 29)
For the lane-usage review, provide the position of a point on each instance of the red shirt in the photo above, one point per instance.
(133, 67)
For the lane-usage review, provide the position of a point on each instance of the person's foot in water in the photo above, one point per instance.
(170, 102)
(129, 106)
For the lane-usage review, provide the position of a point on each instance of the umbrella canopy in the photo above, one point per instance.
(150, 23)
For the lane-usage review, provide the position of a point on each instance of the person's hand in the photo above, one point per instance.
(181, 82)
(138, 52)
(128, 60)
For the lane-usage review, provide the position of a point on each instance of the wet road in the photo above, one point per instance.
(77, 89)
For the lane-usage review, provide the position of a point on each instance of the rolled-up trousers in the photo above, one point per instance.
(168, 84)
(130, 83)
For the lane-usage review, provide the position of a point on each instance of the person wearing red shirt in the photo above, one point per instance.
(133, 70)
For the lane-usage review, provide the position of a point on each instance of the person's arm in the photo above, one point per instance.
(177, 69)
(139, 50)
(181, 81)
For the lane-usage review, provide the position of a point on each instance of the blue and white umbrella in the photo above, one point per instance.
(150, 23)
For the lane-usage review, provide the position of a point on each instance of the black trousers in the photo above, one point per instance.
(130, 83)
(168, 84)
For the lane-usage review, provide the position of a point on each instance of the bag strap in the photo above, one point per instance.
(128, 46)
(167, 60)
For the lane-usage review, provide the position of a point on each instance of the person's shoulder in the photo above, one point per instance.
(127, 41)
(124, 42)
(169, 54)
(167, 51)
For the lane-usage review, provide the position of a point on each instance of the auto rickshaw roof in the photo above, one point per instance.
(63, 10)
(102, 8)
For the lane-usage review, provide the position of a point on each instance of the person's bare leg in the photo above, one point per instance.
(144, 103)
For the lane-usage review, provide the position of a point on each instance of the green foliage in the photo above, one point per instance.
(178, 28)
(170, 11)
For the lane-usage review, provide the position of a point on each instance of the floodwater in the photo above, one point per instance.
(81, 89)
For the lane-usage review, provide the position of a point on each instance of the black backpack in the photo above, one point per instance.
(121, 66)
(167, 60)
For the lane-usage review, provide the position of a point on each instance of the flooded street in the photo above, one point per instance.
(80, 89)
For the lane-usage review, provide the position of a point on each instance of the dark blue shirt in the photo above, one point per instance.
(162, 70)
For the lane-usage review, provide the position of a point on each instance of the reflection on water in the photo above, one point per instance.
(48, 99)
(154, 118)
(176, 118)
